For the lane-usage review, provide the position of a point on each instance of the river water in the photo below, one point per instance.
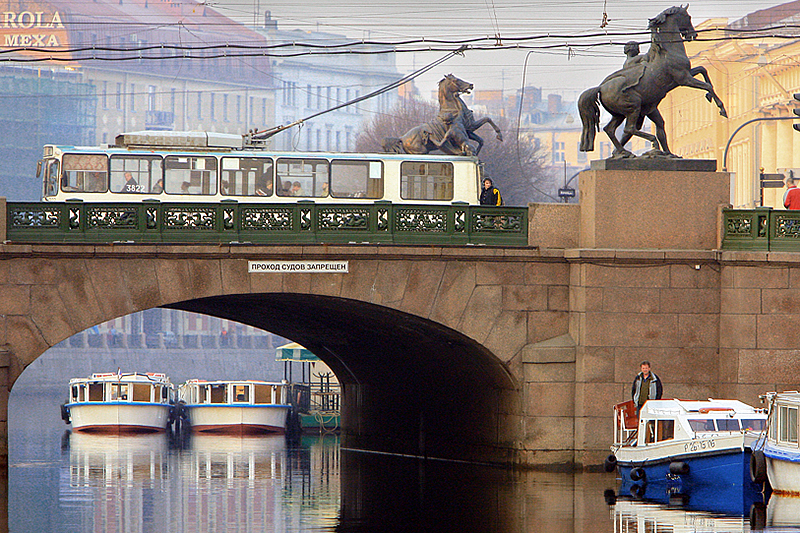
(63, 482)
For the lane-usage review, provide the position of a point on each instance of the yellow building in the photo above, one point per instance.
(756, 78)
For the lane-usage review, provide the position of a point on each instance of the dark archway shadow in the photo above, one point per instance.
(410, 385)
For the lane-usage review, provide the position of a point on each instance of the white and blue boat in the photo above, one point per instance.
(777, 458)
(686, 443)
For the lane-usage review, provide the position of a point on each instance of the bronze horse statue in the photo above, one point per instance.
(633, 93)
(451, 130)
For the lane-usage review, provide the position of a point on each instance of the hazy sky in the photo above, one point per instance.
(570, 65)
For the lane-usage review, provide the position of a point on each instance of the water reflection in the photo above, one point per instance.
(783, 512)
(645, 517)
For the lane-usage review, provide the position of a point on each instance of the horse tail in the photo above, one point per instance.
(589, 109)
(393, 145)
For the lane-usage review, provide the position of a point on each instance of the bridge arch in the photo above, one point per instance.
(428, 345)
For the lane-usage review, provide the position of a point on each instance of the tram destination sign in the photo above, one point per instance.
(298, 267)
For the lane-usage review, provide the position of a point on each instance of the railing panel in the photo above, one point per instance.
(746, 229)
(303, 222)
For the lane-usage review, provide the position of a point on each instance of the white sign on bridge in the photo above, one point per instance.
(300, 267)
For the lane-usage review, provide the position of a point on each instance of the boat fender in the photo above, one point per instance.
(638, 474)
(637, 491)
(610, 496)
(65, 413)
(758, 467)
(610, 464)
(678, 500)
(678, 468)
(758, 516)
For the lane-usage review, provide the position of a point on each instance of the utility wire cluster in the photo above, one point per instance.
(362, 47)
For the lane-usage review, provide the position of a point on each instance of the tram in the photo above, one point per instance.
(204, 167)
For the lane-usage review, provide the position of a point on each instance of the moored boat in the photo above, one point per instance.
(685, 442)
(779, 458)
(235, 407)
(119, 403)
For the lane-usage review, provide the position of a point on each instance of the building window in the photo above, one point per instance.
(151, 97)
(172, 101)
(199, 105)
(119, 96)
(238, 108)
(264, 111)
(133, 97)
(105, 95)
(225, 107)
(308, 95)
(211, 109)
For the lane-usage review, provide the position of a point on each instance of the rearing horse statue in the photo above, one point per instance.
(451, 130)
(633, 93)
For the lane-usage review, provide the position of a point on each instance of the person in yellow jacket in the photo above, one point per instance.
(490, 195)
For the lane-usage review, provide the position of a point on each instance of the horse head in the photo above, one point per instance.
(677, 16)
(455, 85)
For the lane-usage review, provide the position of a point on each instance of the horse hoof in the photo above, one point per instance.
(500, 138)
(723, 113)
(708, 97)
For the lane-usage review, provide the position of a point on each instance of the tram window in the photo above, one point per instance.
(190, 174)
(241, 393)
(51, 177)
(728, 424)
(301, 177)
(144, 170)
(787, 424)
(426, 181)
(355, 179)
(246, 176)
(84, 173)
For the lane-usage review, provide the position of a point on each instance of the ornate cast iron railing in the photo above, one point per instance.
(761, 229)
(303, 222)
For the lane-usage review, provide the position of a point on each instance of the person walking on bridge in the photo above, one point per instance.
(490, 195)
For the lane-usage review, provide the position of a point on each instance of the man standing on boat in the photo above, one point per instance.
(645, 387)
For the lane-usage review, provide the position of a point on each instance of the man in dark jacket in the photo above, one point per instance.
(490, 195)
(645, 387)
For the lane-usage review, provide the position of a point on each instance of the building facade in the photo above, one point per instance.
(756, 78)
(315, 82)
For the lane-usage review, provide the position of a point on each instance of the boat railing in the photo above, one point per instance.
(626, 422)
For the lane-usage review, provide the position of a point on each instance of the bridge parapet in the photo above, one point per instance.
(303, 222)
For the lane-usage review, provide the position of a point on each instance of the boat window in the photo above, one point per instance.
(650, 432)
(84, 173)
(218, 394)
(702, 425)
(241, 393)
(301, 177)
(246, 176)
(164, 393)
(355, 179)
(190, 174)
(787, 424)
(51, 177)
(263, 394)
(666, 430)
(753, 424)
(95, 392)
(728, 424)
(77, 393)
(141, 392)
(119, 391)
(426, 181)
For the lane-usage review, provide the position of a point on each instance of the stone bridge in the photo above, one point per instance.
(498, 354)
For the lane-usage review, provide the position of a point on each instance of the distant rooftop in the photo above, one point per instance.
(788, 13)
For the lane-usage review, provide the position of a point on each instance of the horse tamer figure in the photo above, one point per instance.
(633, 93)
(452, 129)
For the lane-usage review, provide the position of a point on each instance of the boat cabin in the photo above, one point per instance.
(783, 426)
(200, 392)
(109, 387)
(673, 419)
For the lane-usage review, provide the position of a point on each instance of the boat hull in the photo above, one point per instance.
(119, 417)
(238, 419)
(783, 469)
